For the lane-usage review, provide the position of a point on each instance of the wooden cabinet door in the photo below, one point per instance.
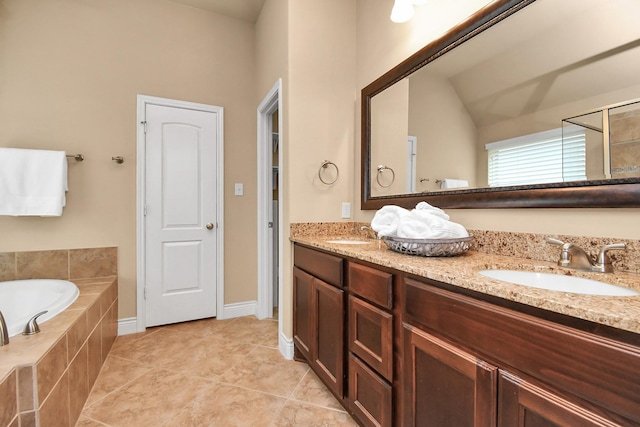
(302, 314)
(522, 404)
(327, 353)
(370, 396)
(445, 386)
(371, 336)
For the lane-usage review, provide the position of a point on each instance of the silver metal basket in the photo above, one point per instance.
(429, 247)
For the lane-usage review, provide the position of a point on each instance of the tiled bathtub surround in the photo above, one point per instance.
(45, 378)
(65, 264)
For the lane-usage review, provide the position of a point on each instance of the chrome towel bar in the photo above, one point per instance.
(78, 157)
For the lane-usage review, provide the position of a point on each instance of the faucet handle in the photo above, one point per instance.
(32, 326)
(565, 255)
(603, 257)
(554, 241)
(4, 332)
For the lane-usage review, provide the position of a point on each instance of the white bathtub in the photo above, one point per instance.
(20, 300)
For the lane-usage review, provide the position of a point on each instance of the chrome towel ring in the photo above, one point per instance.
(325, 165)
(382, 168)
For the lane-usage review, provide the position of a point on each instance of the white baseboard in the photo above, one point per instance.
(286, 346)
(239, 309)
(127, 326)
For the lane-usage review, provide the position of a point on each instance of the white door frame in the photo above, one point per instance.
(142, 101)
(271, 103)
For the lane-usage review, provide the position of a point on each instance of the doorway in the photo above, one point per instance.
(180, 206)
(269, 145)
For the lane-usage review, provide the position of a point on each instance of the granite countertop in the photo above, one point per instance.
(462, 270)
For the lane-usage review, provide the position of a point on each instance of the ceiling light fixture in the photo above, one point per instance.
(402, 11)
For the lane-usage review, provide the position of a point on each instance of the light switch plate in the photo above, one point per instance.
(239, 189)
(346, 210)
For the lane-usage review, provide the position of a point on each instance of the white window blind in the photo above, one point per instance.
(558, 155)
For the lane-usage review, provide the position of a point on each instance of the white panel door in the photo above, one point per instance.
(180, 220)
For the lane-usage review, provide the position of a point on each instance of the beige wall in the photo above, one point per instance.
(382, 45)
(321, 97)
(272, 53)
(69, 75)
(319, 117)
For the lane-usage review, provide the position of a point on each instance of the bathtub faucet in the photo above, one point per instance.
(4, 332)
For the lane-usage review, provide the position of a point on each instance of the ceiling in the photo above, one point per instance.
(246, 10)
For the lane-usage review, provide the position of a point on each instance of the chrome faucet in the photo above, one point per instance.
(4, 332)
(573, 256)
(368, 231)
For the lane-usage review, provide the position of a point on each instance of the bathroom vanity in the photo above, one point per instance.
(412, 341)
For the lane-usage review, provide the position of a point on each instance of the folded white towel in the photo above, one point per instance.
(414, 226)
(423, 222)
(426, 208)
(32, 182)
(453, 183)
(385, 221)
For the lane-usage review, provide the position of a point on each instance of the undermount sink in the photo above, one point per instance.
(558, 282)
(349, 242)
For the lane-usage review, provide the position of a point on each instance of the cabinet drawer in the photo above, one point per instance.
(371, 336)
(371, 284)
(370, 396)
(324, 266)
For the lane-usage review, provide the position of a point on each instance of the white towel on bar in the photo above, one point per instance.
(32, 182)
(453, 183)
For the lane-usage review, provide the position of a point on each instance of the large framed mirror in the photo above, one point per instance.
(439, 125)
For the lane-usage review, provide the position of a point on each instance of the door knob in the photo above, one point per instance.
(209, 226)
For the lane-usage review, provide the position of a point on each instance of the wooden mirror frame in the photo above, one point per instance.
(609, 193)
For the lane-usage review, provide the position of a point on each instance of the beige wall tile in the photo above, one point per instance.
(95, 354)
(7, 266)
(26, 397)
(15, 422)
(9, 399)
(42, 265)
(28, 419)
(109, 330)
(78, 383)
(96, 262)
(94, 313)
(54, 412)
(108, 297)
(51, 367)
(77, 335)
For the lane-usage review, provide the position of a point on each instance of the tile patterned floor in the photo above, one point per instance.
(208, 373)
